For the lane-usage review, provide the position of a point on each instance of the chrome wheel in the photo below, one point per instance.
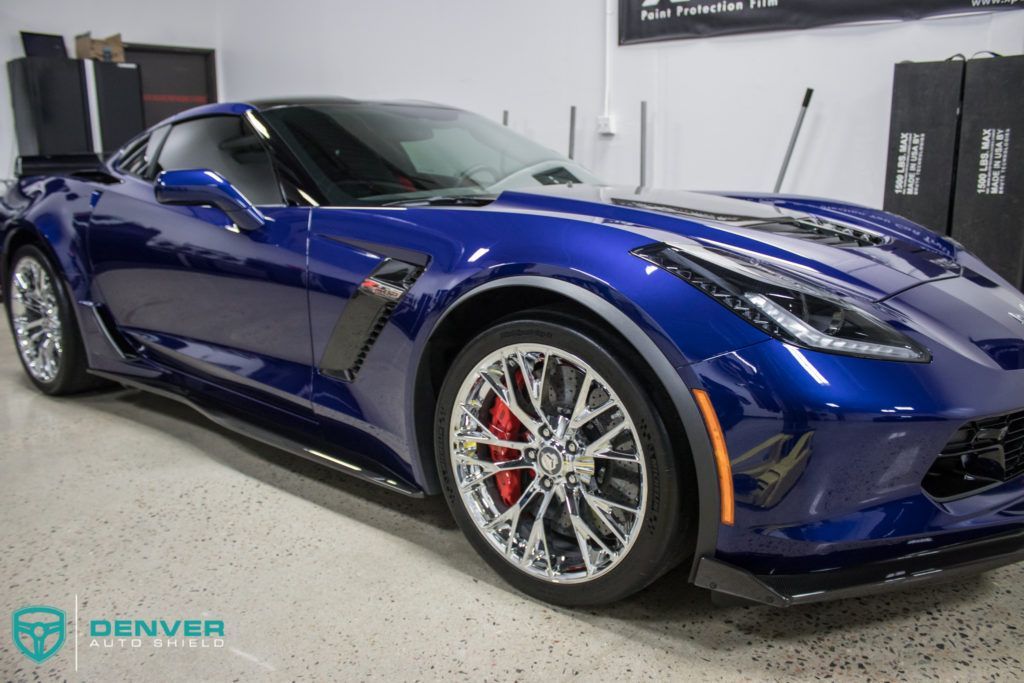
(548, 463)
(35, 317)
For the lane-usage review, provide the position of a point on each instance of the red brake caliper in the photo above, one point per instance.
(507, 427)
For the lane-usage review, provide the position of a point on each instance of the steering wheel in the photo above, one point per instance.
(473, 170)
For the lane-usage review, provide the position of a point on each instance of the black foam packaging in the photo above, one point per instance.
(923, 133)
(988, 204)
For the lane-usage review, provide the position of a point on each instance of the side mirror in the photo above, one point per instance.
(200, 187)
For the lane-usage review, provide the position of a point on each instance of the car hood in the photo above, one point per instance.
(844, 247)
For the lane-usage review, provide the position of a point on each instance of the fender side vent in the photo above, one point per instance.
(105, 321)
(364, 318)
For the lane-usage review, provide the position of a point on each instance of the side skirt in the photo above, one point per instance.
(270, 438)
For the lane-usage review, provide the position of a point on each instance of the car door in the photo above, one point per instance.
(198, 293)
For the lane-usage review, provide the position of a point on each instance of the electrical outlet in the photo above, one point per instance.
(606, 125)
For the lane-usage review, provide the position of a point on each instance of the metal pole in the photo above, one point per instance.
(504, 117)
(793, 139)
(643, 144)
(572, 132)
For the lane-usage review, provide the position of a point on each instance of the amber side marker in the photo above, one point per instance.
(721, 453)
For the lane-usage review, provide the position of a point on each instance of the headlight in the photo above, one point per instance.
(789, 310)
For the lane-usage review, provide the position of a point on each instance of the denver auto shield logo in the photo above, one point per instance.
(38, 631)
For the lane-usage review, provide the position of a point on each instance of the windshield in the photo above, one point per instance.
(375, 153)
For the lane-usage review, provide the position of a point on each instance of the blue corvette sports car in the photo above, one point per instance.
(801, 399)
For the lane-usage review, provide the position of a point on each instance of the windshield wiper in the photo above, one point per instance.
(445, 200)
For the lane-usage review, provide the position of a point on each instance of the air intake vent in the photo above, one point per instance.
(371, 339)
(824, 232)
(365, 317)
(981, 454)
(686, 212)
(809, 228)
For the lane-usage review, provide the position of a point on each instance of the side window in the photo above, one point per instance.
(140, 153)
(225, 145)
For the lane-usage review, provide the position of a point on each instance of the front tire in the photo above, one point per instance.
(556, 464)
(44, 326)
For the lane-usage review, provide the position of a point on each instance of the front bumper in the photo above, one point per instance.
(828, 455)
(921, 568)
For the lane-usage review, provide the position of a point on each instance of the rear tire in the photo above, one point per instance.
(44, 326)
(612, 516)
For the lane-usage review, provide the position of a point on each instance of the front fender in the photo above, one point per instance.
(650, 341)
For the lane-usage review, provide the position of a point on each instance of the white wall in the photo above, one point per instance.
(533, 57)
(722, 108)
(190, 23)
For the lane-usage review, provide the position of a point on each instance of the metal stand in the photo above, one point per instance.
(643, 144)
(793, 139)
(572, 132)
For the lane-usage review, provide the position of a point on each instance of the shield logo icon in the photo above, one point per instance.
(38, 631)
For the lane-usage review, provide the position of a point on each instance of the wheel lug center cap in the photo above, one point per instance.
(550, 460)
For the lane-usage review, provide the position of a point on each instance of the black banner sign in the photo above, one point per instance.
(646, 20)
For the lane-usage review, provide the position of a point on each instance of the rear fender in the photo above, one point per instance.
(55, 218)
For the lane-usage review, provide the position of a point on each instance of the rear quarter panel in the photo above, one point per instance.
(55, 210)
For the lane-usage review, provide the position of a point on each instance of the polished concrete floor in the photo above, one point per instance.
(144, 510)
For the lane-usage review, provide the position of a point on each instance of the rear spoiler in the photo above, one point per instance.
(59, 164)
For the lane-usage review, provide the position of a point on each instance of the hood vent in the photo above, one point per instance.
(698, 214)
(809, 228)
(821, 231)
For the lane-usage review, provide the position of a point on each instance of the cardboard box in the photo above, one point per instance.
(109, 49)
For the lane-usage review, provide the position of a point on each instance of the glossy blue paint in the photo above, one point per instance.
(214, 109)
(204, 296)
(828, 452)
(202, 187)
